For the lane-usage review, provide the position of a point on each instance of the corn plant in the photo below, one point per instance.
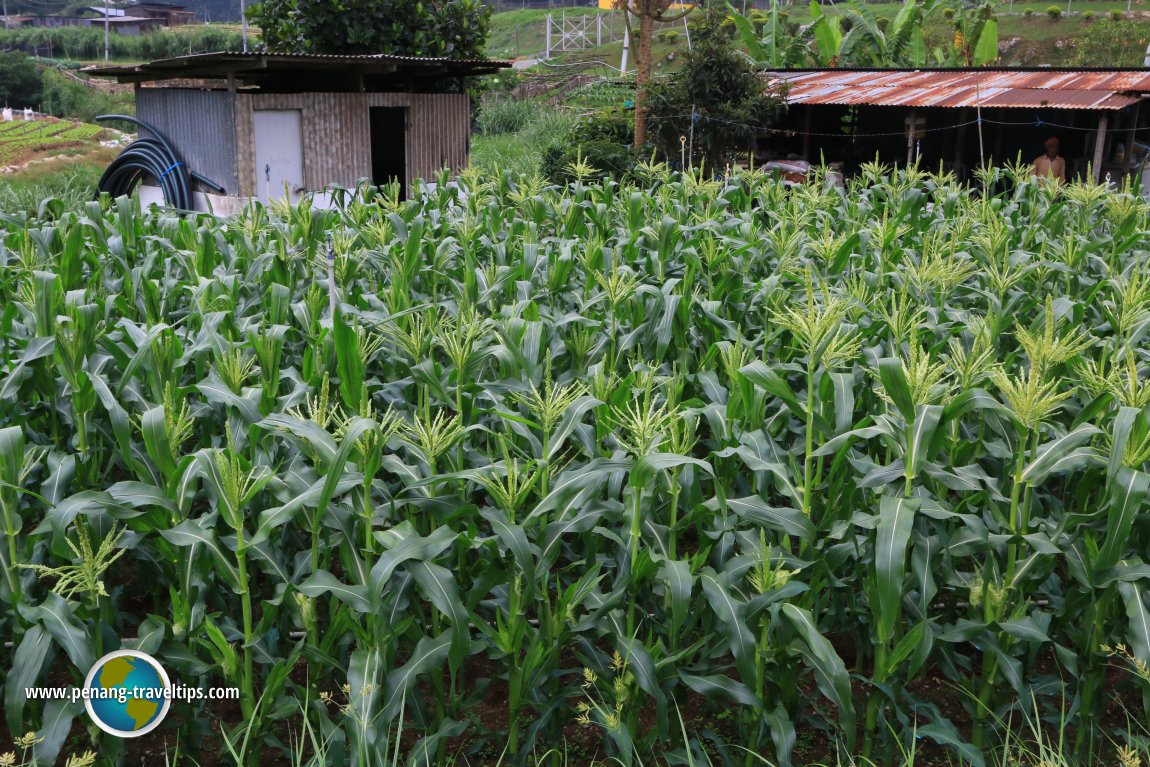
(586, 456)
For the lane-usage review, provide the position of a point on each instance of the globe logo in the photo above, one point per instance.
(127, 693)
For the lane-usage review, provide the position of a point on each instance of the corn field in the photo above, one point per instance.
(684, 472)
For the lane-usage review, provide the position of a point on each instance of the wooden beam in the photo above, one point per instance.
(1099, 145)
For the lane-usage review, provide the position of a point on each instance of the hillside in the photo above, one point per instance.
(1082, 32)
(1086, 35)
(22, 142)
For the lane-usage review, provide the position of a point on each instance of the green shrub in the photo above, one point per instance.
(1028, 12)
(1089, 15)
(669, 35)
(19, 81)
(602, 141)
(723, 90)
(1054, 12)
(64, 97)
(1111, 43)
(1115, 15)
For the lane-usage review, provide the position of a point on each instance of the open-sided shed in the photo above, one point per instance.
(961, 117)
(257, 124)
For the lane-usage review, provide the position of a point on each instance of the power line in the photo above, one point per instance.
(1037, 122)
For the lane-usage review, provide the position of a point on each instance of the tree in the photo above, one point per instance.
(453, 28)
(718, 93)
(648, 12)
(19, 81)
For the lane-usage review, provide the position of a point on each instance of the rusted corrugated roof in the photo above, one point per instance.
(1016, 89)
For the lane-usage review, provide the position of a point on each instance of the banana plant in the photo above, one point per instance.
(777, 47)
(898, 44)
(975, 39)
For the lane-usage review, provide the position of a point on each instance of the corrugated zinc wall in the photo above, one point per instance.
(337, 128)
(438, 130)
(201, 127)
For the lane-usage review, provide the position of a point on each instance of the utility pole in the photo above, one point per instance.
(107, 29)
(627, 48)
(244, 24)
(6, 22)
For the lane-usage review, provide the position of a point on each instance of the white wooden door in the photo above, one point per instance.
(278, 135)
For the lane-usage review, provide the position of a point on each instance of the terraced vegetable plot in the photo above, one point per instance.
(20, 139)
(639, 472)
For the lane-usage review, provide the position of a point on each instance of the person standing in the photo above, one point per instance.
(1050, 164)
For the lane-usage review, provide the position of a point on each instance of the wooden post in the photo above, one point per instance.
(960, 142)
(1129, 158)
(807, 133)
(996, 152)
(1099, 145)
(910, 135)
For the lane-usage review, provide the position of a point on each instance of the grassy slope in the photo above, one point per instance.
(523, 33)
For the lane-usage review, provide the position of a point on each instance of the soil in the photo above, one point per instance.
(484, 740)
(484, 707)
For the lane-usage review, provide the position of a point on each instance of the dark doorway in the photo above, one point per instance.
(389, 147)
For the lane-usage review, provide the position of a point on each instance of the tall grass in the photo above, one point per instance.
(515, 134)
(502, 114)
(68, 181)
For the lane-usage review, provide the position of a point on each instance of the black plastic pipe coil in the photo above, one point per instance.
(152, 157)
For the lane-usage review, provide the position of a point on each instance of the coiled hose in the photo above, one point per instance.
(152, 157)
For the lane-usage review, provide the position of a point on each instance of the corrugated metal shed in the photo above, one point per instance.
(337, 134)
(1012, 89)
(201, 123)
(259, 70)
(312, 120)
